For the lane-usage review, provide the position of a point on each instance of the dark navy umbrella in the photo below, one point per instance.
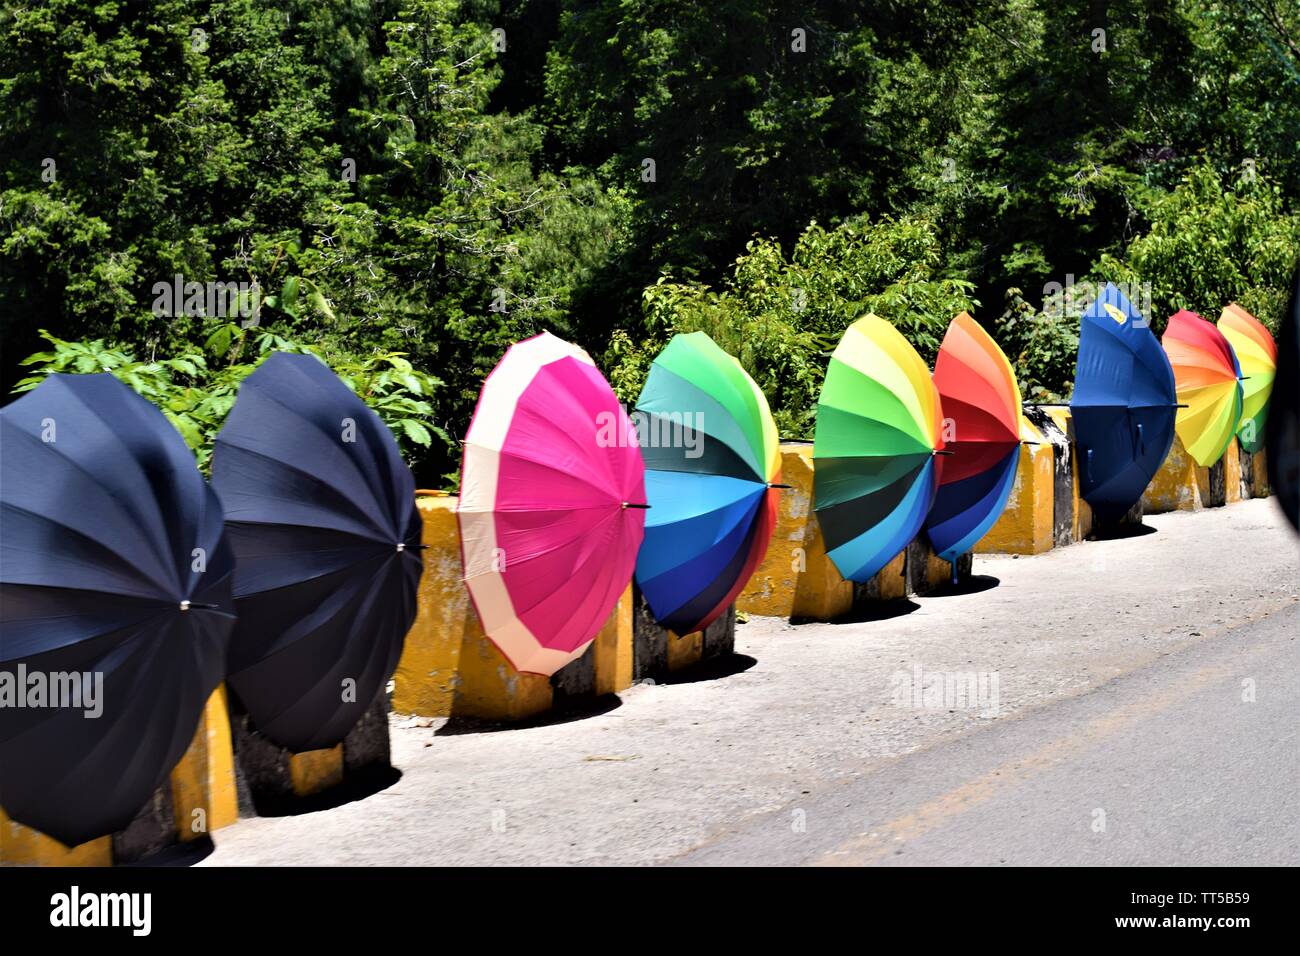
(1283, 426)
(115, 600)
(320, 512)
(1123, 405)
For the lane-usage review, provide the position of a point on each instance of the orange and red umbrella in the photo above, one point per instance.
(981, 407)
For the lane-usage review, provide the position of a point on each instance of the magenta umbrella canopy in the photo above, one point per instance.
(552, 499)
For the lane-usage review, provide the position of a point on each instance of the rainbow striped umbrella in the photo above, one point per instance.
(711, 456)
(1257, 353)
(552, 499)
(981, 404)
(878, 420)
(1207, 379)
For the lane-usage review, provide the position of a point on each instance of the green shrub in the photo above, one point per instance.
(196, 395)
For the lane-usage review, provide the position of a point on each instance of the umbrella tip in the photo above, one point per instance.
(632, 504)
(185, 605)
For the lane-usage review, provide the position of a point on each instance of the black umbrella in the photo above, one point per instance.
(115, 598)
(1283, 425)
(320, 511)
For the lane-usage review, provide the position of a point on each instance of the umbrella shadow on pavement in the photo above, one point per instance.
(1120, 532)
(973, 584)
(712, 669)
(177, 855)
(867, 611)
(354, 786)
(566, 711)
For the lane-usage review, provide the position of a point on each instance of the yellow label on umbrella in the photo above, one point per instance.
(1115, 313)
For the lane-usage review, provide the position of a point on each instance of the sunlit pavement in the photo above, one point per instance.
(1146, 712)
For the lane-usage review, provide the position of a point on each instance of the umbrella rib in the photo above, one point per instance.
(125, 513)
(133, 568)
(614, 495)
(160, 520)
(366, 518)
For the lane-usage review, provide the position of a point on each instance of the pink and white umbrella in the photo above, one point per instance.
(552, 499)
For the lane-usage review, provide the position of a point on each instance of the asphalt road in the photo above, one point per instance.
(1194, 759)
(1119, 668)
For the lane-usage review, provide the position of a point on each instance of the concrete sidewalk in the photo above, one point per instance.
(809, 716)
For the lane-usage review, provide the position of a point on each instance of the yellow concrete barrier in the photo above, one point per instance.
(449, 667)
(23, 846)
(315, 771)
(796, 579)
(203, 800)
(1026, 525)
(1259, 471)
(685, 650)
(1181, 484)
(203, 784)
(612, 649)
(1232, 483)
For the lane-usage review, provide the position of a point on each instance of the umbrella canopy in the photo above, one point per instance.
(552, 503)
(711, 455)
(878, 421)
(1257, 354)
(981, 405)
(1123, 404)
(115, 604)
(320, 512)
(1207, 380)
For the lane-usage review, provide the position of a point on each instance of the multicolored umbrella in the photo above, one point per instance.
(115, 604)
(552, 503)
(1208, 381)
(320, 512)
(711, 455)
(1123, 405)
(981, 407)
(1257, 354)
(875, 472)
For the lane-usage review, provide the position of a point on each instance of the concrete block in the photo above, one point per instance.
(649, 641)
(449, 668)
(22, 846)
(152, 830)
(1177, 484)
(199, 797)
(574, 681)
(427, 674)
(1026, 525)
(366, 748)
(1233, 484)
(204, 792)
(796, 579)
(1212, 486)
(612, 649)
(916, 566)
(1259, 470)
(720, 636)
(315, 771)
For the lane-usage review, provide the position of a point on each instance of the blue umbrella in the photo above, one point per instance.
(1123, 406)
(320, 512)
(115, 604)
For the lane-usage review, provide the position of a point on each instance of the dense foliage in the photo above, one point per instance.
(426, 181)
